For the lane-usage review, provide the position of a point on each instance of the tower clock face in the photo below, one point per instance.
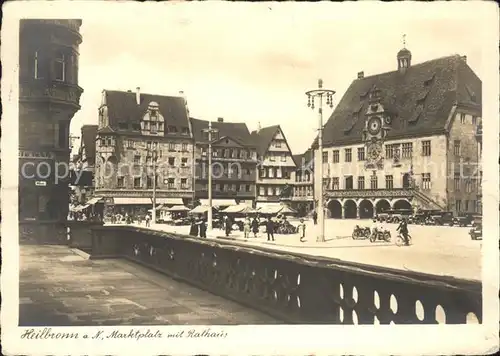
(374, 125)
(374, 151)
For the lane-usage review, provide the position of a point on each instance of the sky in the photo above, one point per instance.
(254, 62)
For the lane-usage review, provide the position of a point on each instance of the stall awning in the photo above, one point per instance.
(79, 208)
(132, 201)
(178, 208)
(219, 202)
(169, 201)
(270, 208)
(94, 201)
(240, 208)
(200, 209)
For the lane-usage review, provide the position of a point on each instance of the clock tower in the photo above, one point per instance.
(377, 124)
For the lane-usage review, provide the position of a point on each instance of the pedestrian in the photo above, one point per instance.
(270, 229)
(203, 229)
(148, 220)
(255, 227)
(194, 228)
(246, 227)
(302, 230)
(228, 225)
(315, 217)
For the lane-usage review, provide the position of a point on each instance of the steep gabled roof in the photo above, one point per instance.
(263, 138)
(123, 109)
(237, 131)
(419, 100)
(305, 160)
(89, 135)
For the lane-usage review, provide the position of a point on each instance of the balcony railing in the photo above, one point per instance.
(293, 287)
(370, 193)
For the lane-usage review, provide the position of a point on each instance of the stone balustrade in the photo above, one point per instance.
(296, 288)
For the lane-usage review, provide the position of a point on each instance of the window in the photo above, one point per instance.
(136, 127)
(153, 114)
(335, 183)
(148, 145)
(185, 130)
(348, 155)
(137, 159)
(361, 182)
(38, 67)
(171, 146)
(247, 187)
(262, 173)
(149, 183)
(277, 144)
(374, 182)
(389, 151)
(426, 181)
(160, 126)
(171, 161)
(283, 158)
(148, 160)
(336, 156)
(270, 173)
(426, 148)
(172, 129)
(468, 186)
(279, 173)
(59, 67)
(326, 183)
(458, 205)
(473, 204)
(474, 120)
(389, 183)
(63, 134)
(325, 157)
(154, 127)
(130, 143)
(171, 183)
(462, 118)
(466, 205)
(183, 183)
(456, 181)
(262, 191)
(361, 153)
(120, 182)
(349, 183)
(184, 147)
(407, 150)
(456, 147)
(137, 182)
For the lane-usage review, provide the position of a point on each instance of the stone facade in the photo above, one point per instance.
(151, 152)
(405, 139)
(302, 199)
(49, 97)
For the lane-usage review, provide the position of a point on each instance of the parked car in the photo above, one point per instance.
(422, 215)
(398, 215)
(478, 220)
(476, 233)
(464, 219)
(443, 218)
(383, 216)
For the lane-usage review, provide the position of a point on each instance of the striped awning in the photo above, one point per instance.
(169, 201)
(132, 201)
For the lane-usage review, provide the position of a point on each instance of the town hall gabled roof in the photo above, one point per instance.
(419, 100)
(237, 131)
(124, 111)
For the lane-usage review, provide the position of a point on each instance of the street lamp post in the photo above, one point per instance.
(209, 131)
(153, 210)
(320, 93)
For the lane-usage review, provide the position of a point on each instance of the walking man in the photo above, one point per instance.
(315, 217)
(302, 230)
(147, 220)
(270, 229)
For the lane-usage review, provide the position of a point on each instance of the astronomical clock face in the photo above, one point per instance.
(374, 125)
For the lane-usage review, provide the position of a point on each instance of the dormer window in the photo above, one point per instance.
(59, 67)
(185, 130)
(172, 129)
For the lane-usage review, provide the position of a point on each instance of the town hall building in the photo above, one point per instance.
(405, 139)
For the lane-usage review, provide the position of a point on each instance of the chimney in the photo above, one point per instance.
(220, 119)
(138, 95)
(129, 91)
(464, 58)
(361, 75)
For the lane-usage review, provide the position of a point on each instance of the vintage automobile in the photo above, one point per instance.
(464, 219)
(442, 218)
(422, 215)
(478, 220)
(398, 215)
(384, 216)
(476, 233)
